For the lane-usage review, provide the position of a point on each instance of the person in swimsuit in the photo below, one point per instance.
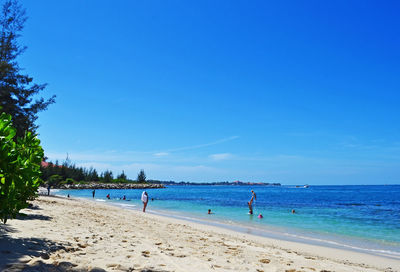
(250, 203)
(253, 194)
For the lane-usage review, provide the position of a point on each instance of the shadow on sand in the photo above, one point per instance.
(16, 254)
(23, 216)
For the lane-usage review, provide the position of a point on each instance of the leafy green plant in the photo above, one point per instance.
(69, 181)
(19, 169)
(54, 180)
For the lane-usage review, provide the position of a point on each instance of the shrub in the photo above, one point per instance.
(70, 181)
(54, 180)
(19, 168)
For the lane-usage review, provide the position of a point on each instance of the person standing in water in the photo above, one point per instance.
(250, 203)
(93, 193)
(145, 200)
(254, 195)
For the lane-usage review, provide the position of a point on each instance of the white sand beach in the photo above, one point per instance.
(60, 234)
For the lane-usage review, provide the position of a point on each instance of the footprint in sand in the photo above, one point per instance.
(146, 253)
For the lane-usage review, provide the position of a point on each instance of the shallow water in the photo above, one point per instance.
(363, 218)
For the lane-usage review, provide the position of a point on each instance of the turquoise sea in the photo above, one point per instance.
(360, 218)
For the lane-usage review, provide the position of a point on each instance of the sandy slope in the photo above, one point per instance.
(78, 235)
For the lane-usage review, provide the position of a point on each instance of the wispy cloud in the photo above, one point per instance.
(221, 156)
(204, 145)
(126, 155)
(161, 154)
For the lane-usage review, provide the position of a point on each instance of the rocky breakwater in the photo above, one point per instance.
(95, 185)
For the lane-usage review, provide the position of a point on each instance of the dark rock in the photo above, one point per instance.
(45, 256)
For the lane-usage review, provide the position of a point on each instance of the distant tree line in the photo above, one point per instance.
(68, 173)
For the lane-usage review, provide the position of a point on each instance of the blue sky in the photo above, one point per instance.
(292, 92)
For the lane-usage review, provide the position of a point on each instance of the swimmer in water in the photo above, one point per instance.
(260, 216)
(209, 211)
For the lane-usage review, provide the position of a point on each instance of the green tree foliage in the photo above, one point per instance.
(107, 176)
(17, 90)
(141, 178)
(54, 180)
(122, 176)
(69, 181)
(19, 168)
(70, 172)
(91, 175)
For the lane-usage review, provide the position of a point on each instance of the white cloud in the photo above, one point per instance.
(161, 154)
(221, 156)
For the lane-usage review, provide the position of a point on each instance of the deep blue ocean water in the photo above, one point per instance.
(363, 218)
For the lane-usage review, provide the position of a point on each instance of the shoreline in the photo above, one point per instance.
(92, 234)
(290, 234)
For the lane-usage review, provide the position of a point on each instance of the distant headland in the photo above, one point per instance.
(70, 176)
(233, 183)
(153, 184)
